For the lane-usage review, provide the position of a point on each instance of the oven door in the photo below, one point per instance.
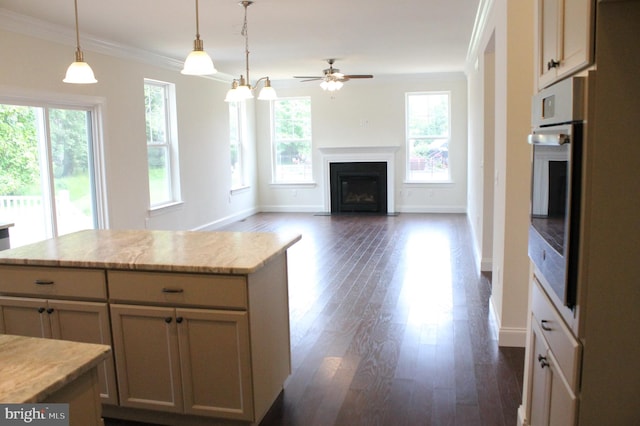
(555, 198)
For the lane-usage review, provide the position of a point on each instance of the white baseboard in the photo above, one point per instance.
(508, 336)
(211, 226)
(291, 209)
(522, 417)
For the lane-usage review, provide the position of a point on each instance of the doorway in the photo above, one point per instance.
(47, 170)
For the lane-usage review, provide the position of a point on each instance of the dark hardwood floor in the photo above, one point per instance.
(390, 325)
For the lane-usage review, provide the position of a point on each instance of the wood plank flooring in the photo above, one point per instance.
(390, 325)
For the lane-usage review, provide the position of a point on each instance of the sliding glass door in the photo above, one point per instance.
(47, 175)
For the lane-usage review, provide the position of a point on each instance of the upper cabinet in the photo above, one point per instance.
(565, 38)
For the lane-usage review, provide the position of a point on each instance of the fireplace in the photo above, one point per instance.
(358, 187)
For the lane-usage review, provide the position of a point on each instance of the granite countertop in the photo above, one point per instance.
(31, 369)
(6, 225)
(174, 251)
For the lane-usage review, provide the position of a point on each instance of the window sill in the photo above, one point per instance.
(239, 190)
(165, 208)
(286, 185)
(428, 183)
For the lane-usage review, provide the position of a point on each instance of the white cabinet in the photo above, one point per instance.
(553, 367)
(565, 41)
(193, 361)
(74, 320)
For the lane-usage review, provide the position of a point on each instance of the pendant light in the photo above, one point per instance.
(79, 72)
(241, 89)
(198, 62)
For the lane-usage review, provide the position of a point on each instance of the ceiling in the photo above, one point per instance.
(286, 37)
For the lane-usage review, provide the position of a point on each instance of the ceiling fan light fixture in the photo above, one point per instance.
(331, 85)
(79, 72)
(198, 62)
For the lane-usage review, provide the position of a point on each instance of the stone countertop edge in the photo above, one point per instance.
(32, 369)
(130, 251)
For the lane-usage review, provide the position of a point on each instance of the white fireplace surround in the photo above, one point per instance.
(362, 154)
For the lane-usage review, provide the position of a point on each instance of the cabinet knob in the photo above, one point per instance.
(49, 310)
(41, 310)
(543, 361)
(179, 320)
(552, 64)
(168, 320)
(544, 326)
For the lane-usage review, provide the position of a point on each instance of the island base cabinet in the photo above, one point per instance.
(181, 360)
(86, 322)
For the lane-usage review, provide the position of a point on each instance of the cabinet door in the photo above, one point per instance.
(215, 363)
(565, 38)
(540, 380)
(86, 322)
(24, 317)
(147, 360)
(562, 401)
(548, 40)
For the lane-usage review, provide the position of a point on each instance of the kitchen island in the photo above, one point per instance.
(198, 321)
(36, 370)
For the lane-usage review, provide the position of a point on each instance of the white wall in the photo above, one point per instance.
(368, 113)
(38, 66)
(510, 27)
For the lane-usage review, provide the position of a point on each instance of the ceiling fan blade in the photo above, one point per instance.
(312, 79)
(359, 76)
(306, 76)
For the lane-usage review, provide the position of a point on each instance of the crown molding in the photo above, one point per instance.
(479, 26)
(26, 25)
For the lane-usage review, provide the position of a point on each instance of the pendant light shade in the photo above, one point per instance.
(198, 62)
(267, 93)
(242, 90)
(79, 72)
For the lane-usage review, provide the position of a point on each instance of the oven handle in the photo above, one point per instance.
(549, 139)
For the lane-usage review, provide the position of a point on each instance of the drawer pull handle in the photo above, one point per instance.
(49, 310)
(168, 320)
(44, 282)
(172, 290)
(41, 310)
(544, 326)
(552, 64)
(179, 320)
(543, 361)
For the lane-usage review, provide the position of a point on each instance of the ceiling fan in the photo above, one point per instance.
(332, 79)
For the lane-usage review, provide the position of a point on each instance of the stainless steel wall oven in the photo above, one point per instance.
(558, 125)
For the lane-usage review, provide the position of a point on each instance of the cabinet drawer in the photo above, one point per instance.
(215, 291)
(53, 282)
(561, 342)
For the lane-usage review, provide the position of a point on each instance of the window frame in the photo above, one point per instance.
(240, 143)
(170, 145)
(94, 107)
(275, 143)
(409, 139)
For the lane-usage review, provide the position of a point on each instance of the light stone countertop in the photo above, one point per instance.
(31, 369)
(6, 225)
(166, 251)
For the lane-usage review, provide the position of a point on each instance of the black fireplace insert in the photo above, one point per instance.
(358, 187)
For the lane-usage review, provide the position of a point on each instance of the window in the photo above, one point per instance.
(49, 155)
(237, 134)
(428, 136)
(162, 153)
(292, 140)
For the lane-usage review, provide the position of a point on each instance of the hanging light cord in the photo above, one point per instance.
(78, 51)
(197, 22)
(245, 33)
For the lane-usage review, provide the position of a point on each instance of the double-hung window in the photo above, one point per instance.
(237, 132)
(162, 149)
(291, 140)
(428, 136)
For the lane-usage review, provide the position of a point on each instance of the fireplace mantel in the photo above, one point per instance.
(359, 154)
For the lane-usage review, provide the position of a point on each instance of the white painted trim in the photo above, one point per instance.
(26, 25)
(432, 209)
(290, 209)
(522, 416)
(212, 226)
(484, 9)
(508, 336)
